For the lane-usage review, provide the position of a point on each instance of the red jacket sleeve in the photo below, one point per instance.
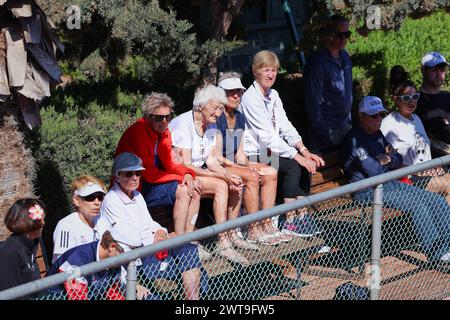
(139, 140)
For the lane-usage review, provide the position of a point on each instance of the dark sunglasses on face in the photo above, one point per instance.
(129, 174)
(407, 98)
(342, 35)
(90, 198)
(378, 115)
(161, 117)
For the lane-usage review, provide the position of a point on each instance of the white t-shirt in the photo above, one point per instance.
(70, 232)
(118, 208)
(184, 135)
(408, 137)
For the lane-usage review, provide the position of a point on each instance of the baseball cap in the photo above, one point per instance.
(231, 83)
(88, 189)
(126, 236)
(371, 105)
(433, 58)
(127, 161)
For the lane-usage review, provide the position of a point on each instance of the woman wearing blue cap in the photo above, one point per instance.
(123, 204)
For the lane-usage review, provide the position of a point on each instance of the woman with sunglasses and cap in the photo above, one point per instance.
(25, 219)
(125, 205)
(164, 181)
(80, 227)
(405, 131)
(260, 180)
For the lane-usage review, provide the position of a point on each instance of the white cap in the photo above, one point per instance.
(371, 105)
(88, 188)
(231, 83)
(432, 59)
(126, 236)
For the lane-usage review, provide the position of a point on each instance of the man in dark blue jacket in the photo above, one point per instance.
(366, 153)
(329, 88)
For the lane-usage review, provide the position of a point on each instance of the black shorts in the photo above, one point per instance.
(293, 179)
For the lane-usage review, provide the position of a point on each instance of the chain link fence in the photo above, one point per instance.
(384, 244)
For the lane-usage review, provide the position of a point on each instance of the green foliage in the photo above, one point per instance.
(373, 56)
(81, 140)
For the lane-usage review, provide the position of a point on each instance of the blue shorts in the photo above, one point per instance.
(159, 195)
(179, 260)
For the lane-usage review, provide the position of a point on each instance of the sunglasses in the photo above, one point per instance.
(413, 97)
(90, 198)
(378, 115)
(342, 35)
(160, 118)
(129, 174)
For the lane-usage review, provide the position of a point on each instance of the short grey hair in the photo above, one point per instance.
(229, 75)
(154, 101)
(207, 94)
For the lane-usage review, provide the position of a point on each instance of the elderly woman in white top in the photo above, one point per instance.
(271, 138)
(405, 131)
(260, 180)
(193, 139)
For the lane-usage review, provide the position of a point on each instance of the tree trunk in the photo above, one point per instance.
(17, 169)
(221, 18)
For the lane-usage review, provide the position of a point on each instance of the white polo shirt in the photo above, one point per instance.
(118, 208)
(70, 232)
(184, 135)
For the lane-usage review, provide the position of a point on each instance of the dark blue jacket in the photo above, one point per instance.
(359, 155)
(328, 91)
(78, 256)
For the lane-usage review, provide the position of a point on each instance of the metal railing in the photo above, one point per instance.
(286, 252)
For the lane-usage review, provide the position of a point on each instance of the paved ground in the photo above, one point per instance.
(402, 278)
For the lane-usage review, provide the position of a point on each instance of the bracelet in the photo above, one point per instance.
(302, 149)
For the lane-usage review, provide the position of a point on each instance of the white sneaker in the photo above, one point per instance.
(445, 258)
(324, 249)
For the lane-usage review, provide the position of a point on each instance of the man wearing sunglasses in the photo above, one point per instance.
(164, 182)
(433, 106)
(329, 88)
(366, 153)
(80, 227)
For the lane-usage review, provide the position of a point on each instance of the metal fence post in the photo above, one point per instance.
(375, 272)
(131, 281)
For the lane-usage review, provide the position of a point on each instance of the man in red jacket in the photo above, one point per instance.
(165, 181)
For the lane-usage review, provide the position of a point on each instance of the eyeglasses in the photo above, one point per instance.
(407, 98)
(161, 117)
(342, 35)
(129, 174)
(90, 198)
(233, 92)
(378, 115)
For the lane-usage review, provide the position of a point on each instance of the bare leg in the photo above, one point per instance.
(180, 209)
(192, 216)
(191, 284)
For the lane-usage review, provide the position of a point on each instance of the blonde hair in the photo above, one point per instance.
(154, 101)
(207, 94)
(265, 58)
(81, 181)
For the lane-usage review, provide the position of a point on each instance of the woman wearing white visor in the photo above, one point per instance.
(260, 180)
(80, 226)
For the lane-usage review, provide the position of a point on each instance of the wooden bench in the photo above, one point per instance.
(41, 259)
